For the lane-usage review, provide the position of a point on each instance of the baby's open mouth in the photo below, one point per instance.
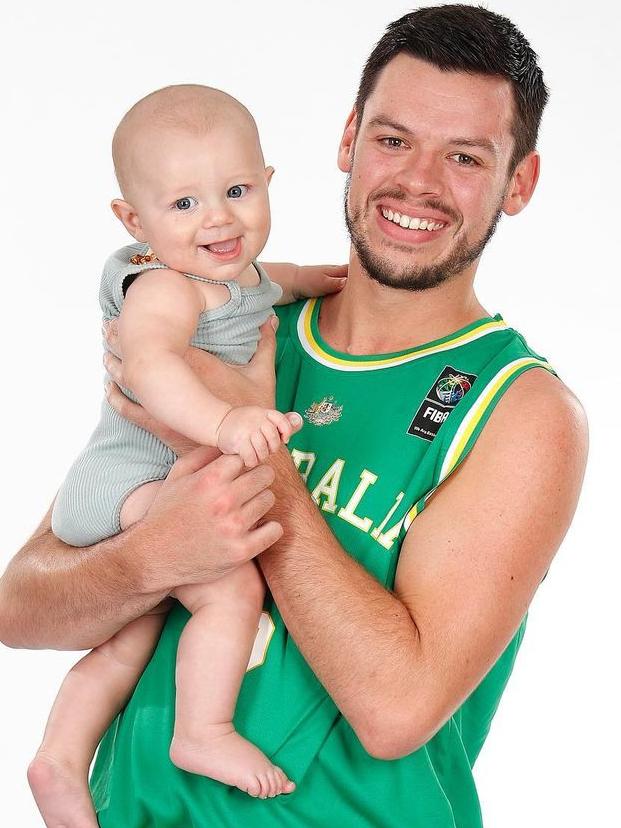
(228, 249)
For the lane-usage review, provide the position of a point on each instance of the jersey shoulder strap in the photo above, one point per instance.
(460, 432)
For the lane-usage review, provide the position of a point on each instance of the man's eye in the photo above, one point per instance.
(464, 160)
(396, 143)
(237, 191)
(185, 203)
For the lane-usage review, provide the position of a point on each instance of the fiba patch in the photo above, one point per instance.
(448, 389)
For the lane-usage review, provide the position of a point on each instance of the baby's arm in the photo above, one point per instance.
(156, 324)
(298, 282)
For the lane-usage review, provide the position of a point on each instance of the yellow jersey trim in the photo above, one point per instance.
(318, 352)
(469, 424)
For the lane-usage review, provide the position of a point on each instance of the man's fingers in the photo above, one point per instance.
(110, 330)
(257, 508)
(287, 424)
(296, 421)
(126, 407)
(263, 537)
(114, 367)
(198, 459)
(251, 483)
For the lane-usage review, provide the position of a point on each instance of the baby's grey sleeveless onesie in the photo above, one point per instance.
(120, 456)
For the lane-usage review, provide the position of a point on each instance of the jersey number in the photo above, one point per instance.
(262, 641)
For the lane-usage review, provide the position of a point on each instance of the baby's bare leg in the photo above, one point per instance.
(213, 654)
(91, 695)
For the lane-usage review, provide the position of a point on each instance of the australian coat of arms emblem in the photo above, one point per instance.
(324, 412)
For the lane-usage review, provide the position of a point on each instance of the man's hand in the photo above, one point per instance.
(215, 505)
(201, 525)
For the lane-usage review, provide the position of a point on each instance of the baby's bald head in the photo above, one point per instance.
(186, 108)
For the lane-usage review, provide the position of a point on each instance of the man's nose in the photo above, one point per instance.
(422, 174)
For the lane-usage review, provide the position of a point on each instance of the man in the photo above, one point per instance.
(444, 456)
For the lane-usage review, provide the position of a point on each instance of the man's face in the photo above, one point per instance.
(429, 172)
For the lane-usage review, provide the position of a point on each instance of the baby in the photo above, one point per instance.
(195, 197)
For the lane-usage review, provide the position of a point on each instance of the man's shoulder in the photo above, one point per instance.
(539, 412)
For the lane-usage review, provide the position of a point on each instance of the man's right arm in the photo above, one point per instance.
(57, 596)
(200, 526)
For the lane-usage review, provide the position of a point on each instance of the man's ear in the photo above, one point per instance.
(346, 147)
(126, 214)
(522, 184)
(269, 172)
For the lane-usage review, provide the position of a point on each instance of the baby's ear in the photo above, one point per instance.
(269, 172)
(126, 214)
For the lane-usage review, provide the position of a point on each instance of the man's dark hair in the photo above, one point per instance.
(467, 39)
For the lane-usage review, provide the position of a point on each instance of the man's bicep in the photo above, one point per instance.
(472, 560)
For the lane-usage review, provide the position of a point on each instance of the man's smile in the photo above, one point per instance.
(408, 228)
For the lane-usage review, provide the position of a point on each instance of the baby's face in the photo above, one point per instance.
(202, 200)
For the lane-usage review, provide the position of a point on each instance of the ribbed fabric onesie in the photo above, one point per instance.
(120, 456)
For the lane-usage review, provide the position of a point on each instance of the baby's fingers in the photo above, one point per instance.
(248, 453)
(260, 446)
(287, 424)
(271, 435)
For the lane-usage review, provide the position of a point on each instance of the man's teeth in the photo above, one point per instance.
(412, 223)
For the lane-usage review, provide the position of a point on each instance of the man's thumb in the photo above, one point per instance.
(267, 342)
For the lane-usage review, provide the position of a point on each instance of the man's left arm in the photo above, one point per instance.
(398, 664)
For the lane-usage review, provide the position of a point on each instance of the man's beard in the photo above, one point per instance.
(412, 276)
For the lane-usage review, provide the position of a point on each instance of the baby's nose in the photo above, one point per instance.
(217, 215)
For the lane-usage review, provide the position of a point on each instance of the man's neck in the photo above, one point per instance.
(366, 317)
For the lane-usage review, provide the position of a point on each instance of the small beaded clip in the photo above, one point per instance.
(144, 258)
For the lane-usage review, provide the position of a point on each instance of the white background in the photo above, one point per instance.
(70, 70)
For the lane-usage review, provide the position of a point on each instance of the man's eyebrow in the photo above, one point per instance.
(383, 121)
(474, 143)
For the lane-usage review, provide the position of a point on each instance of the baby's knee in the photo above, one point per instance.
(250, 586)
(242, 588)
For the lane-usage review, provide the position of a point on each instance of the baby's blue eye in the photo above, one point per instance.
(185, 203)
(237, 191)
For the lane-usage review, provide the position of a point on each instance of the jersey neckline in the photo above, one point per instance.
(311, 341)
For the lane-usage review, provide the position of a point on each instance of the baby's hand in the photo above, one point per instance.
(317, 280)
(254, 432)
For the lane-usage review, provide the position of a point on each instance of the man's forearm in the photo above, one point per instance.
(61, 597)
(357, 636)
(201, 526)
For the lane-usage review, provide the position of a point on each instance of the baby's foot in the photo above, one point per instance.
(233, 760)
(61, 793)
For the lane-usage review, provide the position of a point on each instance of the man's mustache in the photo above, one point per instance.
(428, 203)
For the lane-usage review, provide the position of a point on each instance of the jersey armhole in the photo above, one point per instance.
(470, 425)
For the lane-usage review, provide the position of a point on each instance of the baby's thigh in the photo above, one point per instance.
(242, 588)
(118, 459)
(137, 503)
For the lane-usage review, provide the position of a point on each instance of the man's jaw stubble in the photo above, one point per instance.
(414, 277)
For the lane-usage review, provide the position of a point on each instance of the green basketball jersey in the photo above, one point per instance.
(380, 434)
